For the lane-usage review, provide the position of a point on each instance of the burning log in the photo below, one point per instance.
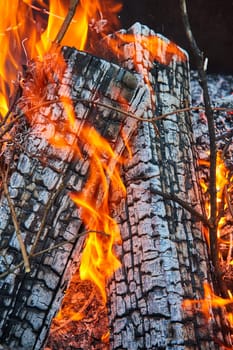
(42, 175)
(164, 253)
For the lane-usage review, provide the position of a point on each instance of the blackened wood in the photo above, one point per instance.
(164, 253)
(41, 174)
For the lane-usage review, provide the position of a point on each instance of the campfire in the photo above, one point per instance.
(105, 207)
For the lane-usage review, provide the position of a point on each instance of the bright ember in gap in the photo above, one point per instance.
(222, 181)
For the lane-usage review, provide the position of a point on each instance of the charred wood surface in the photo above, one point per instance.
(41, 178)
(164, 254)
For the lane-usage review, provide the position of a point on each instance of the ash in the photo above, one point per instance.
(221, 96)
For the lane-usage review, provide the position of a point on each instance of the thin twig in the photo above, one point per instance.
(68, 241)
(199, 57)
(229, 205)
(153, 119)
(16, 224)
(183, 204)
(49, 249)
(97, 103)
(46, 211)
(228, 134)
(229, 255)
(67, 21)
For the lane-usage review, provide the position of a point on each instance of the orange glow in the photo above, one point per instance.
(105, 337)
(223, 184)
(209, 302)
(222, 180)
(223, 187)
(158, 48)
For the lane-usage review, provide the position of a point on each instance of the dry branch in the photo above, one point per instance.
(200, 62)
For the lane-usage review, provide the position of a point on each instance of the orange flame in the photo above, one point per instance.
(25, 34)
(155, 48)
(98, 261)
(222, 180)
(210, 301)
(159, 48)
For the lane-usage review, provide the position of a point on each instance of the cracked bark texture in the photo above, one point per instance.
(40, 174)
(164, 254)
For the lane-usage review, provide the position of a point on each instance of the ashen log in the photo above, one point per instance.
(164, 254)
(41, 178)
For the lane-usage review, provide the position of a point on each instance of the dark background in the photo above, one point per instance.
(211, 21)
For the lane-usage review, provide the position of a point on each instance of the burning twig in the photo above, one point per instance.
(67, 21)
(97, 103)
(154, 119)
(121, 111)
(15, 222)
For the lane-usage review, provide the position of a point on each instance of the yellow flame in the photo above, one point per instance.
(210, 301)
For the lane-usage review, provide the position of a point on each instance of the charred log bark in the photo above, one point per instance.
(41, 177)
(164, 253)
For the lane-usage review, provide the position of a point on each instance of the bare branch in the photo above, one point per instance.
(212, 137)
(46, 211)
(97, 103)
